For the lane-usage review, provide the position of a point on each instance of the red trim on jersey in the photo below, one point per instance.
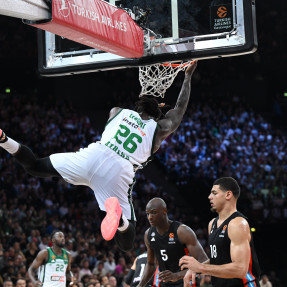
(249, 272)
(155, 283)
(186, 251)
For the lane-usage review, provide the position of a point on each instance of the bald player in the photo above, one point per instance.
(167, 241)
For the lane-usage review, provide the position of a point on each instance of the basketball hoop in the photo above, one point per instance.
(156, 79)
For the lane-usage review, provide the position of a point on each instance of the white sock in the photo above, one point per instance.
(125, 224)
(10, 145)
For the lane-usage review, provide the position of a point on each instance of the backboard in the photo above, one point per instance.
(173, 30)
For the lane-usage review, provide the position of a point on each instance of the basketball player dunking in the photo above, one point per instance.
(108, 167)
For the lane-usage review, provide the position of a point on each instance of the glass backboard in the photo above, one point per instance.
(173, 30)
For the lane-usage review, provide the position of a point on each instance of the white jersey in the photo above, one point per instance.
(53, 272)
(131, 137)
(108, 167)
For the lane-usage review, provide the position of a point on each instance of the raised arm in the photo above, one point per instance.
(37, 262)
(173, 117)
(150, 265)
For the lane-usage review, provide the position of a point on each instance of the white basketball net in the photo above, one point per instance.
(156, 79)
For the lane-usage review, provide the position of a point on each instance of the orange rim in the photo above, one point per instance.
(174, 65)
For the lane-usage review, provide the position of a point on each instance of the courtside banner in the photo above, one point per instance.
(97, 24)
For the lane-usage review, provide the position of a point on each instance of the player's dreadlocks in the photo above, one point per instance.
(149, 106)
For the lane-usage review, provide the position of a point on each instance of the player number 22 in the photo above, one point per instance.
(129, 144)
(59, 267)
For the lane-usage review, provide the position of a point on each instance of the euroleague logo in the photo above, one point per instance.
(222, 12)
(64, 8)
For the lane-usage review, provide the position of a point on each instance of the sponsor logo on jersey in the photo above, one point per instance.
(139, 122)
(153, 239)
(224, 228)
(171, 238)
(57, 278)
(117, 150)
(153, 234)
(222, 231)
(135, 125)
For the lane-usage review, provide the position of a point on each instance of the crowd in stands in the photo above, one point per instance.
(215, 139)
(218, 139)
(205, 145)
(31, 208)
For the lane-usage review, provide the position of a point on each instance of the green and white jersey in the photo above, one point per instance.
(53, 272)
(131, 137)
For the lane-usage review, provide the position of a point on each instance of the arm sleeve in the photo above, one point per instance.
(130, 276)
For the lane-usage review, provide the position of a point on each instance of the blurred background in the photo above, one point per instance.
(235, 126)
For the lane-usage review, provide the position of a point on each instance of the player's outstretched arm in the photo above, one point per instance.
(173, 117)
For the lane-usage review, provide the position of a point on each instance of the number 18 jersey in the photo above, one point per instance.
(131, 137)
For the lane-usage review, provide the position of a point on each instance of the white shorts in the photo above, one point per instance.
(103, 170)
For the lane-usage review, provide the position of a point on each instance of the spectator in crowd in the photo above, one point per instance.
(85, 270)
(85, 279)
(8, 283)
(113, 281)
(104, 280)
(21, 282)
(110, 264)
(100, 270)
(264, 282)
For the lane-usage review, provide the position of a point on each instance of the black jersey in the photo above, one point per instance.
(140, 265)
(168, 250)
(219, 244)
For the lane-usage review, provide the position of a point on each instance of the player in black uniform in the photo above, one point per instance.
(233, 261)
(135, 274)
(167, 241)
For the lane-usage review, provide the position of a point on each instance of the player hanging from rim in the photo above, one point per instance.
(108, 166)
(53, 264)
